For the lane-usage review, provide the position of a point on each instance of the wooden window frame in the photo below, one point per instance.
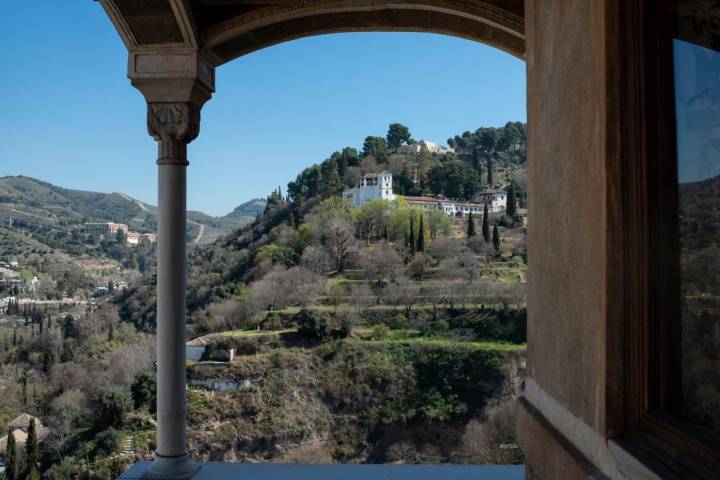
(652, 330)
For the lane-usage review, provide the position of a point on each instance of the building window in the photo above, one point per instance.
(671, 239)
(696, 59)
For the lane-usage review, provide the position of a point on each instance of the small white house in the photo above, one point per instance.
(496, 200)
(372, 187)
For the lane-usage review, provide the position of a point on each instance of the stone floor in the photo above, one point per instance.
(254, 471)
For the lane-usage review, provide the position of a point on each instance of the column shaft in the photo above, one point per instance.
(171, 410)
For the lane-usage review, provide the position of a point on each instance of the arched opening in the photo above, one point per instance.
(220, 33)
(405, 317)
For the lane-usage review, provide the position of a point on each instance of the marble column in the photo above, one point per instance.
(173, 126)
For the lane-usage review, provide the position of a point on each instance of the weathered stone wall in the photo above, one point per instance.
(567, 232)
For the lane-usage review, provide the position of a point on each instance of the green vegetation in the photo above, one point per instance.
(355, 330)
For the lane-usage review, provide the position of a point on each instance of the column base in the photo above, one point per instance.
(171, 467)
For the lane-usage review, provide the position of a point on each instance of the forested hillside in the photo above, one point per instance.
(385, 333)
(44, 209)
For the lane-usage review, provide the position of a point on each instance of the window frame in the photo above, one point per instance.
(651, 321)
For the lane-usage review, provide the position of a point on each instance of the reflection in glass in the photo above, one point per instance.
(697, 102)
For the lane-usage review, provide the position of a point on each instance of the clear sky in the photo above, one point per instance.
(69, 116)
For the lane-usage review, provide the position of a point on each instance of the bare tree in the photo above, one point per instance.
(444, 247)
(316, 259)
(380, 264)
(334, 229)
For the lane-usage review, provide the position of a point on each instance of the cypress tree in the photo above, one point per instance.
(111, 332)
(486, 223)
(421, 236)
(11, 458)
(412, 234)
(490, 180)
(470, 226)
(496, 238)
(32, 452)
(48, 361)
(511, 205)
(15, 339)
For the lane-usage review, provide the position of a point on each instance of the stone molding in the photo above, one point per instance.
(173, 126)
(480, 11)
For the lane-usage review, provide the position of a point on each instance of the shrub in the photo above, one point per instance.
(107, 442)
(346, 326)
(380, 331)
(144, 389)
(111, 406)
(312, 323)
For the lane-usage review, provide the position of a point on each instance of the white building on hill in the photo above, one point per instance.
(372, 187)
(497, 200)
(432, 148)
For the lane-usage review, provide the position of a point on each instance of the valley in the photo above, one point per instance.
(386, 330)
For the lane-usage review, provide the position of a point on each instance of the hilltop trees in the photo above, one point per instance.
(330, 184)
(454, 179)
(488, 138)
(397, 135)
(376, 147)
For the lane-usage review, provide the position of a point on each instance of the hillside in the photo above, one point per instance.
(699, 260)
(382, 332)
(249, 210)
(29, 201)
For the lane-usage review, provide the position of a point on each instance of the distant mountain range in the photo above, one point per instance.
(28, 200)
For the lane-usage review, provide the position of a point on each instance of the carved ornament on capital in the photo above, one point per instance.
(173, 126)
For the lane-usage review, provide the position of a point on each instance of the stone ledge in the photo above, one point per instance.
(257, 471)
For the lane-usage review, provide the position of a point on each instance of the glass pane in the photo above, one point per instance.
(697, 101)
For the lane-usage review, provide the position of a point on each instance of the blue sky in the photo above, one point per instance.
(69, 116)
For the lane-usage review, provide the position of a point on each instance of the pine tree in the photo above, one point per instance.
(331, 184)
(471, 226)
(421, 236)
(511, 202)
(486, 224)
(11, 458)
(32, 451)
(496, 238)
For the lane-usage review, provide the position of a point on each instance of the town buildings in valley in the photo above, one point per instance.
(136, 238)
(105, 228)
(109, 228)
(379, 186)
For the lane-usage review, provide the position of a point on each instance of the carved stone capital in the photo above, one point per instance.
(173, 121)
(173, 126)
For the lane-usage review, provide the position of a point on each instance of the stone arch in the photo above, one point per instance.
(498, 23)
